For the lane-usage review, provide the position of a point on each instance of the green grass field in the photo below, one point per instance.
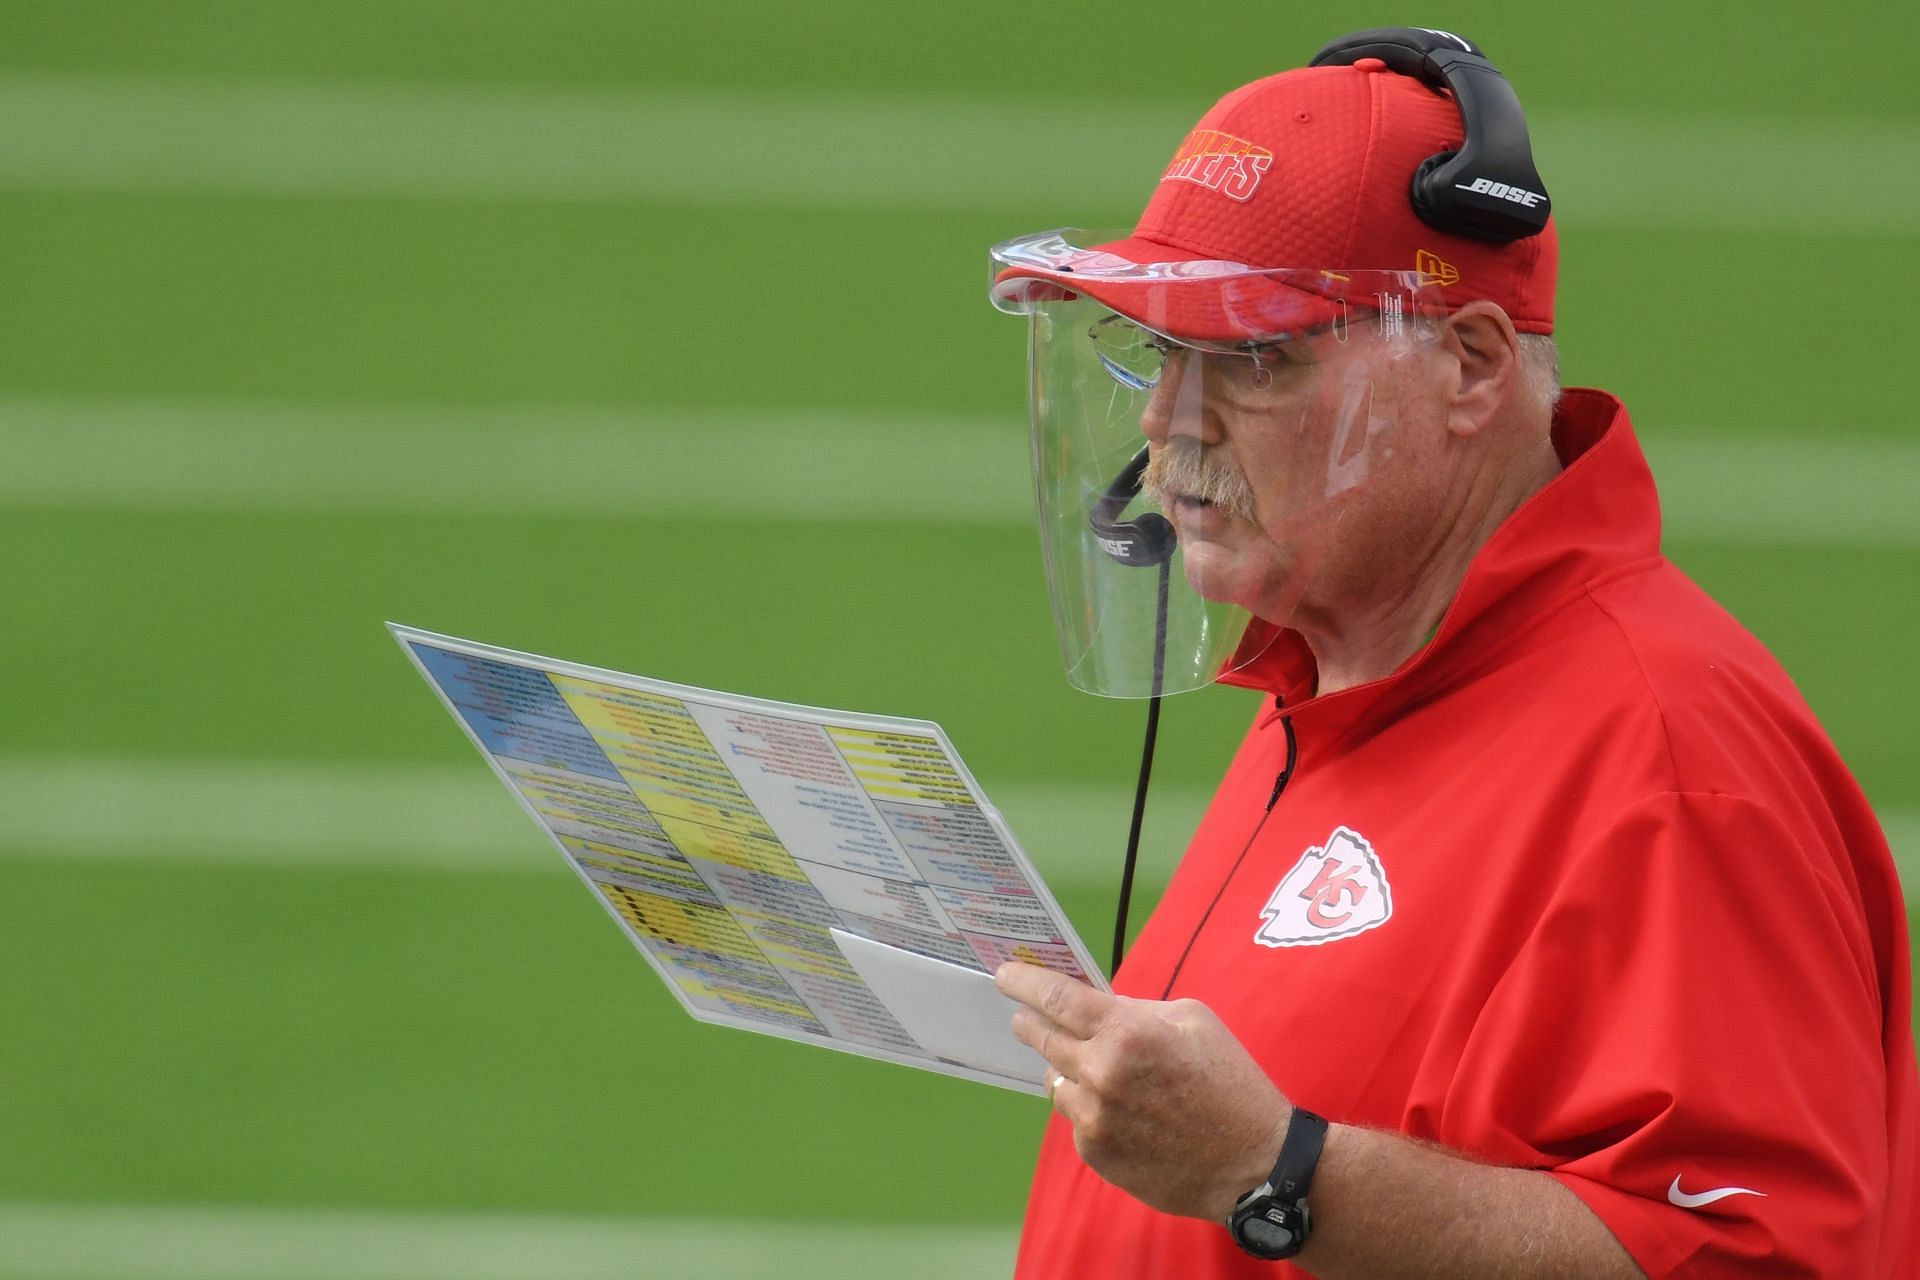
(656, 339)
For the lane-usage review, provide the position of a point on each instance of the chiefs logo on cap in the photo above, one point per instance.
(1220, 162)
(1335, 891)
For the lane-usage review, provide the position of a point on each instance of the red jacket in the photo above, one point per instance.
(1582, 887)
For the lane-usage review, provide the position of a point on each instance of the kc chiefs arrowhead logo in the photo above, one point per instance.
(1335, 891)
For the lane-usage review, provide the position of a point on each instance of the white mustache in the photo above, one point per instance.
(1185, 468)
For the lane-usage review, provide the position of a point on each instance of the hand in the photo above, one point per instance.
(1165, 1103)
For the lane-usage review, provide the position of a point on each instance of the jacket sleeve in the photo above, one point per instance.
(1691, 1040)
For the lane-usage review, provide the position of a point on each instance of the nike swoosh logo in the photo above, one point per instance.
(1703, 1198)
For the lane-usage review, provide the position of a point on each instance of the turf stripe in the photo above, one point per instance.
(457, 818)
(1759, 487)
(195, 1242)
(170, 456)
(434, 818)
(942, 154)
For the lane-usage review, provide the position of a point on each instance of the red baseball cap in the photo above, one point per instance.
(1305, 174)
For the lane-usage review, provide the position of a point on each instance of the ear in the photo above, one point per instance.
(1486, 350)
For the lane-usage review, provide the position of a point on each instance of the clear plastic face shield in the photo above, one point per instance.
(1199, 431)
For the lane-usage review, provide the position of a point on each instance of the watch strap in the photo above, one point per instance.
(1299, 1156)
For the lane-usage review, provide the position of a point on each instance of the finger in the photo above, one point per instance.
(1061, 1048)
(1070, 1099)
(1074, 1006)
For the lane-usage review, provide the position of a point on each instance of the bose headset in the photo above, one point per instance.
(1488, 190)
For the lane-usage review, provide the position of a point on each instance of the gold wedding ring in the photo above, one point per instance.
(1053, 1084)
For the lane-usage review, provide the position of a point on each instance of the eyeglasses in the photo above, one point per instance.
(1136, 357)
(1133, 357)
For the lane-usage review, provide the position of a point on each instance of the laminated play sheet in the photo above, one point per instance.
(829, 877)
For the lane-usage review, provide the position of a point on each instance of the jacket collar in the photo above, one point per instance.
(1599, 515)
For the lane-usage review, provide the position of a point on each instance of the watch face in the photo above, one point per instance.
(1270, 1230)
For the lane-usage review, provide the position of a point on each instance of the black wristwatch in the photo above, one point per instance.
(1271, 1221)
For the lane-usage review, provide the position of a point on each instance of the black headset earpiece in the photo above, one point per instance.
(1145, 540)
(1489, 188)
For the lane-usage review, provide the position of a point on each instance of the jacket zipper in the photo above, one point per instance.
(1286, 772)
(1279, 788)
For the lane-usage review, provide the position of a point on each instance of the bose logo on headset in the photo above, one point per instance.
(1488, 187)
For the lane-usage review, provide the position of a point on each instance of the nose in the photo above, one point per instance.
(1156, 416)
(1177, 404)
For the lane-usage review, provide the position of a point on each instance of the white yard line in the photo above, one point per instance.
(1903, 835)
(1811, 488)
(1820, 487)
(457, 818)
(648, 463)
(921, 153)
(196, 1242)
(80, 809)
(436, 818)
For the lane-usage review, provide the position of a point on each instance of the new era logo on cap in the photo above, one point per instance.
(1435, 269)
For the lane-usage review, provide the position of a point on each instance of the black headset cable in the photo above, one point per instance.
(1146, 770)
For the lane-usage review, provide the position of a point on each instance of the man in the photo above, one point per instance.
(1536, 929)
